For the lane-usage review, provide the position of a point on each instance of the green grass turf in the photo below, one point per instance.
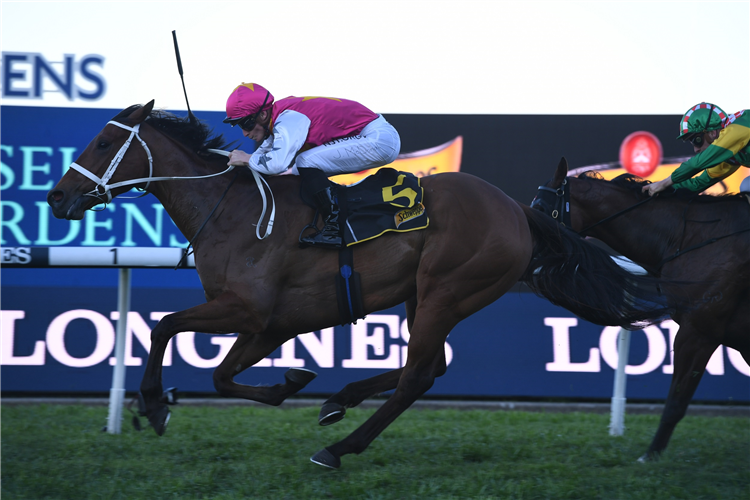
(59, 452)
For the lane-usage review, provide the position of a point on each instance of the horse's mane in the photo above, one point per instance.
(635, 184)
(195, 134)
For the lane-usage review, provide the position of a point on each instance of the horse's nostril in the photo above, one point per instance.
(55, 197)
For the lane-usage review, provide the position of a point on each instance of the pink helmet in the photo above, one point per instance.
(247, 100)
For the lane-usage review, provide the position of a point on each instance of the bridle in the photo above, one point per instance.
(102, 182)
(103, 188)
(558, 207)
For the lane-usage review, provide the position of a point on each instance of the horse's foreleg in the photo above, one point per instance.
(426, 360)
(246, 352)
(692, 351)
(225, 314)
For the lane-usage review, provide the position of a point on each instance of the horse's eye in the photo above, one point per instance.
(102, 145)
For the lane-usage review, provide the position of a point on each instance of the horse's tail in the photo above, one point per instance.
(581, 277)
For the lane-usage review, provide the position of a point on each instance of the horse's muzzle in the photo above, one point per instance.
(64, 207)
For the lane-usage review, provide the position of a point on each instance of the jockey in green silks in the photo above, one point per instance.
(721, 143)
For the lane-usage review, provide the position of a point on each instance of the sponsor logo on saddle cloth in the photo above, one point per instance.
(385, 201)
(408, 214)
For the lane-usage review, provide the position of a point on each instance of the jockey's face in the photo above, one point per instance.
(258, 131)
(708, 138)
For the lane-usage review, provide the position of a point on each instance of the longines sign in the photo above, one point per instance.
(63, 340)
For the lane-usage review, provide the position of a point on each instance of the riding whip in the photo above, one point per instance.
(179, 68)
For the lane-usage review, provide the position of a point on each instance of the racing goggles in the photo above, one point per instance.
(696, 139)
(247, 123)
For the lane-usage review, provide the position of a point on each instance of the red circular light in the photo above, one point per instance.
(641, 153)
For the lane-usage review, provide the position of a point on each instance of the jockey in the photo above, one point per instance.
(317, 137)
(721, 144)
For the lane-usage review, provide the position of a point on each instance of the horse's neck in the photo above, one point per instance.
(645, 234)
(188, 202)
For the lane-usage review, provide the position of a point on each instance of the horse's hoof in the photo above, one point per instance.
(169, 396)
(159, 419)
(330, 413)
(326, 459)
(299, 376)
(648, 457)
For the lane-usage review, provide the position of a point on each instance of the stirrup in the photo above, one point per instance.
(328, 237)
(311, 225)
(319, 240)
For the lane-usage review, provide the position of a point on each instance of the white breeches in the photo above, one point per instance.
(378, 144)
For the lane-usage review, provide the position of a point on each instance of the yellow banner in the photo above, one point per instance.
(729, 185)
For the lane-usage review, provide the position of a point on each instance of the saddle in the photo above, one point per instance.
(387, 201)
(383, 202)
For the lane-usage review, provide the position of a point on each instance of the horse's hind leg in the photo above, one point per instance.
(246, 352)
(692, 351)
(426, 360)
(353, 394)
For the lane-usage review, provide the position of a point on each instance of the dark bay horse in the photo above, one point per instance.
(478, 245)
(681, 237)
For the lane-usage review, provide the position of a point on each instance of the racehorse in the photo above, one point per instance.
(700, 241)
(479, 243)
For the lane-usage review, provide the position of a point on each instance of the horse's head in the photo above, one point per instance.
(101, 172)
(590, 205)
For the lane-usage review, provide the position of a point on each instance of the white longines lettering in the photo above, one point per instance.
(657, 348)
(58, 329)
(377, 342)
(369, 348)
(7, 339)
(561, 346)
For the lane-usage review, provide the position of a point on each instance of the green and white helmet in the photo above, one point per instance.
(701, 118)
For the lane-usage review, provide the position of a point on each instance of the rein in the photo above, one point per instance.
(699, 245)
(258, 178)
(614, 216)
(562, 205)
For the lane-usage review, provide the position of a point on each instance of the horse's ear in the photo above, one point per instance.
(141, 113)
(561, 172)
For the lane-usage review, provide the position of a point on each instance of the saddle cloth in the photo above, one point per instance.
(388, 200)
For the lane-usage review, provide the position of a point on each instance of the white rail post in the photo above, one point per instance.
(617, 409)
(117, 392)
(617, 416)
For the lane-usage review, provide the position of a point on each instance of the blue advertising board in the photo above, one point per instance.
(61, 339)
(58, 324)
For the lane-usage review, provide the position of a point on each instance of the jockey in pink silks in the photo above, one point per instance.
(316, 137)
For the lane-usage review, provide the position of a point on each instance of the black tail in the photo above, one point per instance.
(573, 273)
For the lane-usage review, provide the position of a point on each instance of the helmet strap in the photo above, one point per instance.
(708, 121)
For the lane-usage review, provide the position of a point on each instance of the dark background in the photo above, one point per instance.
(518, 152)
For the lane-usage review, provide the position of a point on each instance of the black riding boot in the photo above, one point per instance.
(330, 236)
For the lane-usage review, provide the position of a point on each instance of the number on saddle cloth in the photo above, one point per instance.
(385, 201)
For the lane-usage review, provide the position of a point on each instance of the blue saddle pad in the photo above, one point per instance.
(388, 200)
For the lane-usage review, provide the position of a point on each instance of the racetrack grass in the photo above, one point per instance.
(59, 451)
